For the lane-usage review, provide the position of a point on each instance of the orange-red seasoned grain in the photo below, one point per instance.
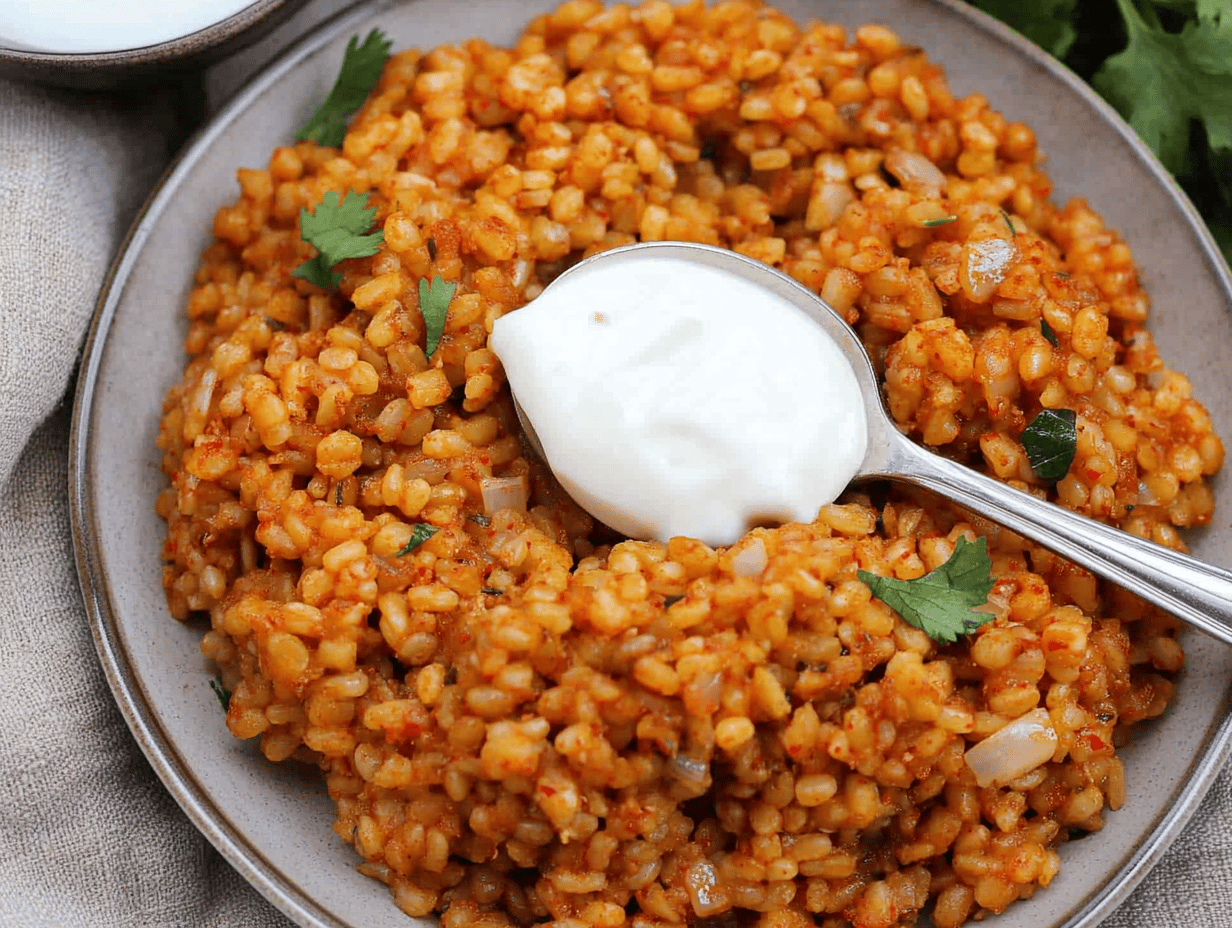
(523, 719)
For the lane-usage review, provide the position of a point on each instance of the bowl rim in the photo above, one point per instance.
(171, 50)
(131, 695)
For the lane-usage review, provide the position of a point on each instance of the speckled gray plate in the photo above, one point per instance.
(273, 822)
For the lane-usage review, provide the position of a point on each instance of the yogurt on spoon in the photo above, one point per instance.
(673, 397)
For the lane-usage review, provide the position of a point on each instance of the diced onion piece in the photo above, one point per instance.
(504, 493)
(705, 891)
(983, 267)
(198, 407)
(915, 172)
(688, 769)
(1015, 750)
(751, 559)
(828, 204)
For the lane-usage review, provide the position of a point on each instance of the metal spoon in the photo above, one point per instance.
(1195, 592)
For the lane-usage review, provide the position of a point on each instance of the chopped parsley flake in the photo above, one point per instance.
(1051, 441)
(434, 301)
(1048, 332)
(421, 534)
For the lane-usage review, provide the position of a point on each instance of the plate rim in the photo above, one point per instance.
(131, 697)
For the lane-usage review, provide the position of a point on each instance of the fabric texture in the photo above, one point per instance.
(88, 835)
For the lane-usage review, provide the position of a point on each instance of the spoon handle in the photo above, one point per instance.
(1187, 588)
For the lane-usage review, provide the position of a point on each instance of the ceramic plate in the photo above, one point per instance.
(273, 822)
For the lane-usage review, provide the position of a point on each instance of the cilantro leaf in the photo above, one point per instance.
(317, 271)
(1163, 80)
(1047, 23)
(362, 65)
(434, 301)
(337, 230)
(1051, 441)
(1166, 65)
(422, 533)
(941, 603)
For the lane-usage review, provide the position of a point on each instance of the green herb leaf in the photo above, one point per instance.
(1166, 65)
(931, 223)
(1047, 23)
(337, 230)
(1049, 334)
(1009, 222)
(362, 65)
(223, 694)
(1163, 80)
(1051, 441)
(434, 301)
(317, 272)
(941, 603)
(422, 533)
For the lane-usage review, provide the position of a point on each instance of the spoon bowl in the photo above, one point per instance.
(1195, 592)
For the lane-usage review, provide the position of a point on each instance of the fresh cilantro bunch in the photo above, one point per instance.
(1166, 65)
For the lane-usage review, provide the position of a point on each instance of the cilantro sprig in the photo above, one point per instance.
(941, 603)
(1166, 66)
(339, 229)
(434, 299)
(362, 64)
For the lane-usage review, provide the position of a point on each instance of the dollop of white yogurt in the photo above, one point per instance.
(675, 398)
(81, 26)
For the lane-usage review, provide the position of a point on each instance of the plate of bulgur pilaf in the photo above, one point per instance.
(440, 703)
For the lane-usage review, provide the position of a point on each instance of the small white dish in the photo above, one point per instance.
(97, 46)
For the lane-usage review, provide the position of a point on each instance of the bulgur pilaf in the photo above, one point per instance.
(528, 720)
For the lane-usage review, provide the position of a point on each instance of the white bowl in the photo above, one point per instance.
(97, 56)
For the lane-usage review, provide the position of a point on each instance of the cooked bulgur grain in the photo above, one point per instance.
(524, 720)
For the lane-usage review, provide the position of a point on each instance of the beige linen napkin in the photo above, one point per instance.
(88, 836)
